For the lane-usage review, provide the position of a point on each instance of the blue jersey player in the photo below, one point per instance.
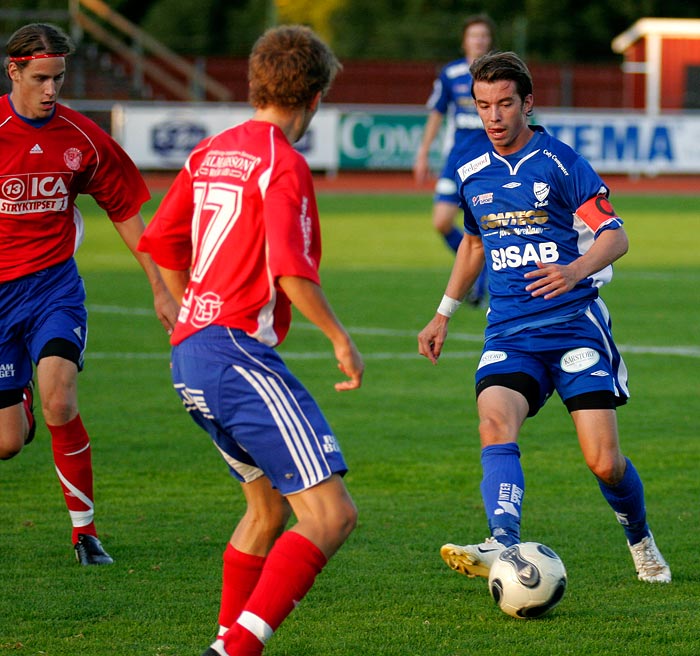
(452, 98)
(538, 215)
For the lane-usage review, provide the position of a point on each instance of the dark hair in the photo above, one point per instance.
(479, 19)
(37, 38)
(496, 66)
(288, 66)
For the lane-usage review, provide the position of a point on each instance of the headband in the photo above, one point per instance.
(45, 55)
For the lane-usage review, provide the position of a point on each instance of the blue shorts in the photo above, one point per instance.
(574, 357)
(35, 309)
(260, 417)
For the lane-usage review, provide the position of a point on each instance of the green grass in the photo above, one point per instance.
(166, 506)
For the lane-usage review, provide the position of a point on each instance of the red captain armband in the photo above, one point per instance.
(596, 212)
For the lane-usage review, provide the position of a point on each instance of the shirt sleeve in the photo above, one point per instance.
(168, 237)
(589, 199)
(291, 223)
(117, 185)
(439, 99)
(598, 214)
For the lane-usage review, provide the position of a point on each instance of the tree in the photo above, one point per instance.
(561, 31)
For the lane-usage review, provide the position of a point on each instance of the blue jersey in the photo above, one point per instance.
(452, 96)
(524, 206)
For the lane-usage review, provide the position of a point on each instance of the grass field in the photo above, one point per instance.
(166, 506)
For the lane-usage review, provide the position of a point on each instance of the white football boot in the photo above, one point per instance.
(472, 559)
(648, 561)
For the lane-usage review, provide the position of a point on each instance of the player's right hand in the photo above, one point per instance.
(421, 169)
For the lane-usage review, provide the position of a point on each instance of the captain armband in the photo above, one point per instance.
(448, 306)
(597, 212)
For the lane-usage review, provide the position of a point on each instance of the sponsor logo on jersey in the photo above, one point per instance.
(461, 68)
(556, 160)
(474, 166)
(305, 223)
(7, 370)
(29, 193)
(205, 309)
(467, 120)
(36, 150)
(73, 158)
(228, 164)
(511, 185)
(513, 219)
(489, 357)
(541, 191)
(514, 257)
(482, 199)
(579, 359)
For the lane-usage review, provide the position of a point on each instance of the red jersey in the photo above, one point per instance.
(240, 214)
(42, 170)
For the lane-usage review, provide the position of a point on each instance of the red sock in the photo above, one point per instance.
(73, 459)
(241, 572)
(288, 574)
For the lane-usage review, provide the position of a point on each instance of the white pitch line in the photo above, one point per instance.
(680, 350)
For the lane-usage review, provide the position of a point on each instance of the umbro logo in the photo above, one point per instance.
(511, 185)
(599, 373)
(36, 150)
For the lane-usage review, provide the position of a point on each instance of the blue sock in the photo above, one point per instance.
(627, 500)
(502, 489)
(454, 238)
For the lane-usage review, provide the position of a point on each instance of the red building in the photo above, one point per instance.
(662, 64)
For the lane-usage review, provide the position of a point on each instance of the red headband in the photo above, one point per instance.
(45, 55)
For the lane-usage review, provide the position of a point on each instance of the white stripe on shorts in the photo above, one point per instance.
(291, 424)
(620, 372)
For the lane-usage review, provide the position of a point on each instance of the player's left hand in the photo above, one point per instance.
(166, 309)
(351, 364)
(432, 338)
(551, 280)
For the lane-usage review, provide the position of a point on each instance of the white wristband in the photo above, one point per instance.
(448, 306)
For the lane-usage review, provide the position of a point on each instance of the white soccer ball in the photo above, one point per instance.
(527, 580)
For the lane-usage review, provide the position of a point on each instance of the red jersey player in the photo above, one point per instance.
(50, 155)
(237, 238)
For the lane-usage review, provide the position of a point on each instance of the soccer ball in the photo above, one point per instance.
(527, 580)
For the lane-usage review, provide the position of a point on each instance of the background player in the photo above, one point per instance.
(539, 214)
(451, 98)
(257, 247)
(50, 155)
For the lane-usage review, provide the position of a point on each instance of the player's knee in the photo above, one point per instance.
(10, 447)
(58, 409)
(494, 429)
(343, 520)
(607, 469)
(267, 525)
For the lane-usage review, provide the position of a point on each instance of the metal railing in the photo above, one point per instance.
(147, 57)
